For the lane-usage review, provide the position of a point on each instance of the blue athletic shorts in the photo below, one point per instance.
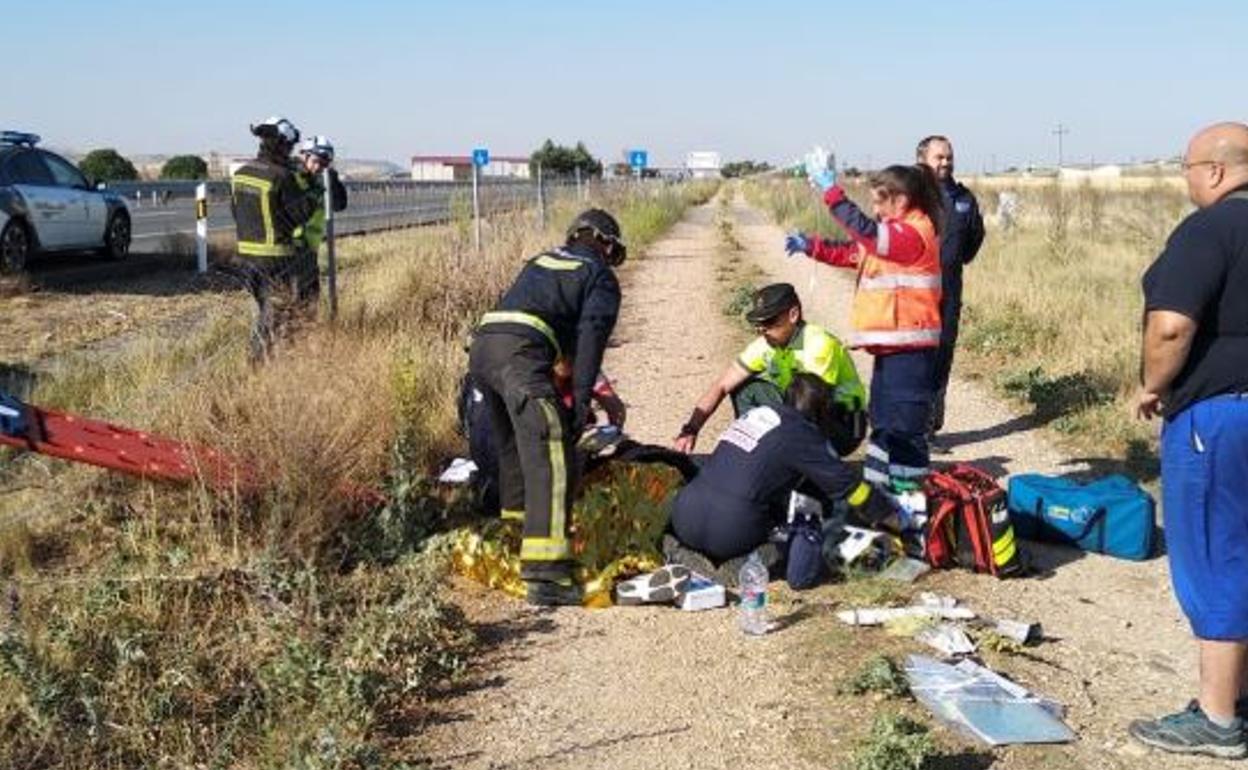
(1204, 489)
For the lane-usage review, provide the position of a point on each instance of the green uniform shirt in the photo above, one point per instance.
(813, 350)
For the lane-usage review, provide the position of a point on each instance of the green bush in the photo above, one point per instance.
(879, 674)
(184, 167)
(108, 165)
(896, 743)
(1059, 396)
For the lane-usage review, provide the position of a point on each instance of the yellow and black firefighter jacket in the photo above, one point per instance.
(269, 206)
(570, 299)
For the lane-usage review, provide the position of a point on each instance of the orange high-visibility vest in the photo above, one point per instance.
(898, 306)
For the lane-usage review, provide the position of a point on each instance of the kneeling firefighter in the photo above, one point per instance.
(564, 301)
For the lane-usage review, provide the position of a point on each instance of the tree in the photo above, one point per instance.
(184, 167)
(107, 165)
(557, 159)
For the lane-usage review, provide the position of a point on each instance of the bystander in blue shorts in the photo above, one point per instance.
(1204, 483)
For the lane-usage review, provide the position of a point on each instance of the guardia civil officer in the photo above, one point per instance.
(316, 154)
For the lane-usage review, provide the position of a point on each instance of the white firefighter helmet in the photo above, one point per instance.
(320, 146)
(277, 127)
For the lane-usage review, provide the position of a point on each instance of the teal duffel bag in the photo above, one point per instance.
(1112, 515)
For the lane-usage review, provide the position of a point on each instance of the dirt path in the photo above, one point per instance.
(647, 687)
(658, 688)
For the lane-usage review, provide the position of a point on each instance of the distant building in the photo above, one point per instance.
(1080, 173)
(703, 165)
(458, 168)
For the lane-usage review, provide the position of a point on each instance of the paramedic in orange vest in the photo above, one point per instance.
(896, 308)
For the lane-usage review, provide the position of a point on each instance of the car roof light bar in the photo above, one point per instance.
(19, 137)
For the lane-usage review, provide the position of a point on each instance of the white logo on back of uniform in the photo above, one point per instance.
(745, 432)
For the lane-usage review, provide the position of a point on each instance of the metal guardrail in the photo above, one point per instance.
(162, 209)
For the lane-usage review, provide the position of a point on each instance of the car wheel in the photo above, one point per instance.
(117, 237)
(15, 246)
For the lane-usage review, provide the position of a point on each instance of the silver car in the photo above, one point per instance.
(47, 204)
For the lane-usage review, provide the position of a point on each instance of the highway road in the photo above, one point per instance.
(161, 210)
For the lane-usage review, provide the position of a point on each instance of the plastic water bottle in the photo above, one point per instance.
(752, 581)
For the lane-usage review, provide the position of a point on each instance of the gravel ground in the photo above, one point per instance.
(1125, 650)
(635, 687)
(653, 687)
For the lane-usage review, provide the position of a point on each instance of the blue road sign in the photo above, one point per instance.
(637, 158)
(480, 157)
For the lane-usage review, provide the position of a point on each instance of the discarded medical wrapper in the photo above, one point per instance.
(458, 472)
(1018, 630)
(984, 705)
(906, 570)
(864, 547)
(702, 593)
(929, 606)
(947, 638)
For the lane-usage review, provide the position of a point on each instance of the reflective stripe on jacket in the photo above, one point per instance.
(570, 298)
(268, 205)
(897, 306)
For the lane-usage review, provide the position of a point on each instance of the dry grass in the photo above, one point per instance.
(272, 626)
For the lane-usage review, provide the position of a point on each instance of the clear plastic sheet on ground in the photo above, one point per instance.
(983, 705)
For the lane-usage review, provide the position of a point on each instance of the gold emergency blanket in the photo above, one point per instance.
(617, 525)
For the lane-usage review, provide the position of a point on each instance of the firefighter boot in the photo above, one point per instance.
(550, 584)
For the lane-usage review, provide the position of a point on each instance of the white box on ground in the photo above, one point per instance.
(702, 593)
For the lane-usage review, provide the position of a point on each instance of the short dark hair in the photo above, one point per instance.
(811, 396)
(921, 150)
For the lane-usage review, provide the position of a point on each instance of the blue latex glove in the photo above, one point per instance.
(796, 243)
(824, 179)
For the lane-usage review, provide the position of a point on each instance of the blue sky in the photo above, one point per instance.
(760, 80)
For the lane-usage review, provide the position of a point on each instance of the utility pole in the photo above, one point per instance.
(541, 198)
(1060, 131)
(328, 181)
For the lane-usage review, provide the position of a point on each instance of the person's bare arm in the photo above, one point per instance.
(729, 381)
(1167, 341)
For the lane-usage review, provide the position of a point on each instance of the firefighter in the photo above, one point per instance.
(269, 206)
(475, 425)
(564, 301)
(896, 307)
(786, 345)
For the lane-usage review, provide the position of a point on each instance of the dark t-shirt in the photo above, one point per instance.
(1203, 274)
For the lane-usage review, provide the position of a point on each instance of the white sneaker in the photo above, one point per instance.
(662, 585)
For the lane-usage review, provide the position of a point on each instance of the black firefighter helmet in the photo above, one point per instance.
(602, 226)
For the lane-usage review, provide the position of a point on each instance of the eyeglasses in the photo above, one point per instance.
(1190, 164)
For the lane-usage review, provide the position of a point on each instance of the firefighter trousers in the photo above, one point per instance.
(533, 438)
(286, 291)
